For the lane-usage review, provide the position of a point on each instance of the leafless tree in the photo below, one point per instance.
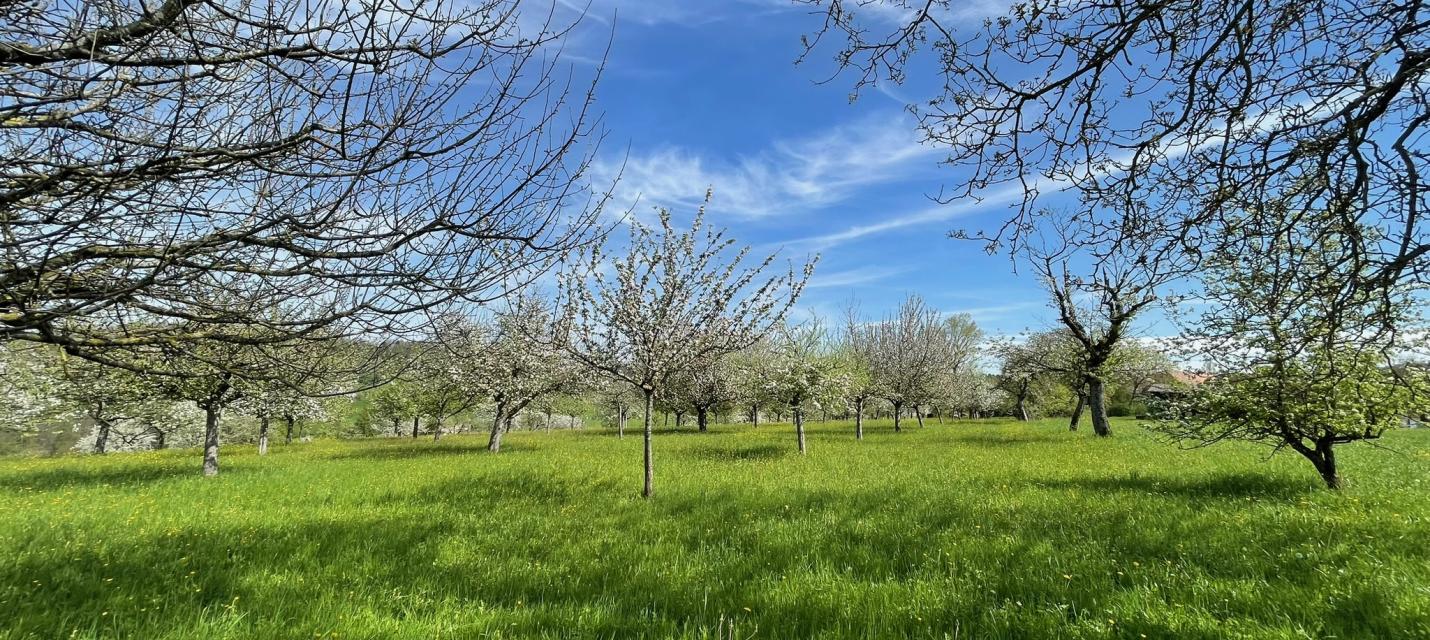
(1175, 117)
(1097, 310)
(351, 163)
(675, 299)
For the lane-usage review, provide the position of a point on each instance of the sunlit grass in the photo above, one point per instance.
(957, 530)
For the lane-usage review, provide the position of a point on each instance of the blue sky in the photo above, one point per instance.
(706, 94)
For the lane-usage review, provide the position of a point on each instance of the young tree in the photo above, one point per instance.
(909, 353)
(514, 360)
(394, 403)
(803, 372)
(675, 299)
(706, 388)
(856, 355)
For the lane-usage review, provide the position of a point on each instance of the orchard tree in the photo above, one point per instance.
(676, 298)
(856, 354)
(1308, 404)
(270, 400)
(802, 372)
(109, 398)
(358, 163)
(395, 403)
(1302, 361)
(442, 380)
(909, 354)
(514, 360)
(707, 388)
(1097, 310)
(752, 371)
(27, 398)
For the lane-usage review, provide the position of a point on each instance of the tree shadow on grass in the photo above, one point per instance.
(1228, 486)
(1004, 439)
(736, 453)
(127, 473)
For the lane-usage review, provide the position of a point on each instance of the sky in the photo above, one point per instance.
(706, 94)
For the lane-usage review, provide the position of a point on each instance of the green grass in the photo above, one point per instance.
(953, 531)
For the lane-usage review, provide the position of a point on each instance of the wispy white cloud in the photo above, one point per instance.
(788, 177)
(1004, 196)
(852, 277)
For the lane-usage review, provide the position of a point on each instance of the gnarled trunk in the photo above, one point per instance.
(101, 434)
(263, 436)
(494, 440)
(1077, 409)
(754, 415)
(437, 430)
(1097, 407)
(416, 421)
(898, 411)
(702, 419)
(1323, 456)
(919, 413)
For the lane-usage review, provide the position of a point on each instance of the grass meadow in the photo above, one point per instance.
(960, 530)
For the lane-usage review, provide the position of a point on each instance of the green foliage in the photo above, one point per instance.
(1318, 400)
(991, 529)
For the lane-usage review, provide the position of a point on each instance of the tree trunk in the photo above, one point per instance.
(702, 419)
(755, 416)
(621, 422)
(898, 411)
(263, 436)
(799, 428)
(101, 435)
(416, 420)
(397, 427)
(1097, 407)
(436, 430)
(571, 422)
(494, 441)
(1324, 459)
(160, 439)
(649, 489)
(210, 439)
(678, 416)
(1077, 409)
(859, 419)
(548, 421)
(1023, 403)
(919, 413)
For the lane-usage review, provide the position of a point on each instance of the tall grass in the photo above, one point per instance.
(952, 531)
